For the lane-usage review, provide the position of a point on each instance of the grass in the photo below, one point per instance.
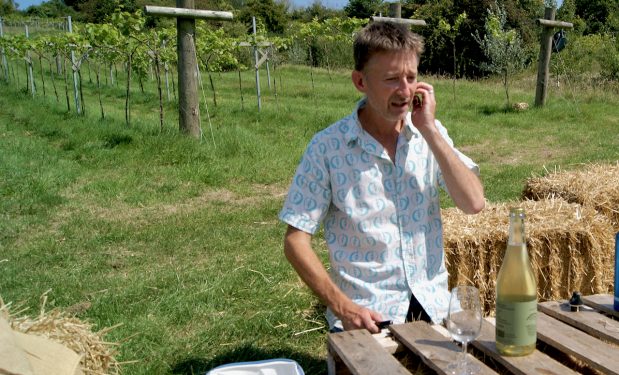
(178, 239)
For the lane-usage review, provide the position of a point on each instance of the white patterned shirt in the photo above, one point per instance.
(381, 219)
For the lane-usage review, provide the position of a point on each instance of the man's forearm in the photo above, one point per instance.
(299, 252)
(463, 185)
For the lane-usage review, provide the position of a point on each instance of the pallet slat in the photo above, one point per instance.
(588, 320)
(596, 353)
(363, 355)
(534, 363)
(589, 335)
(602, 302)
(433, 348)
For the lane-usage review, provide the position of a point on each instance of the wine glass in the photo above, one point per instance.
(464, 325)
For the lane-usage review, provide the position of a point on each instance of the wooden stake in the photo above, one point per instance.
(188, 100)
(543, 64)
(5, 65)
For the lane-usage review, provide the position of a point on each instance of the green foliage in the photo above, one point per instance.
(327, 42)
(434, 59)
(52, 8)
(521, 16)
(97, 11)
(273, 14)
(503, 47)
(600, 16)
(315, 11)
(363, 8)
(6, 7)
(587, 57)
(216, 51)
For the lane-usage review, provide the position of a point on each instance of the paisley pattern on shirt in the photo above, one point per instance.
(381, 219)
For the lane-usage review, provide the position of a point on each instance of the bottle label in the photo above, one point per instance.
(516, 322)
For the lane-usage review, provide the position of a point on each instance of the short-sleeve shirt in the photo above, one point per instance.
(381, 218)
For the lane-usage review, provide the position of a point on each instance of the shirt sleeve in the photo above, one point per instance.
(309, 195)
(470, 164)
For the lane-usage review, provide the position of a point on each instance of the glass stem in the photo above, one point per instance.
(463, 356)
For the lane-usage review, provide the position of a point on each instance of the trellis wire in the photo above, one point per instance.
(208, 116)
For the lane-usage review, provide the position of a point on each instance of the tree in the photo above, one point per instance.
(273, 15)
(434, 59)
(599, 15)
(98, 11)
(50, 9)
(315, 11)
(6, 7)
(363, 8)
(452, 32)
(502, 47)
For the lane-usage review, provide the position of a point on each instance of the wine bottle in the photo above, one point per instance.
(616, 302)
(516, 294)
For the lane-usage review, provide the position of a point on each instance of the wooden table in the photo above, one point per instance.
(567, 343)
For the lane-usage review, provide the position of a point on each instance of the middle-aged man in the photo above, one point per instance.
(373, 179)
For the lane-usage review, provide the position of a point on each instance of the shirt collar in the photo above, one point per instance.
(354, 129)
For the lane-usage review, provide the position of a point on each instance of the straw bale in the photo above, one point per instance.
(97, 354)
(570, 248)
(595, 185)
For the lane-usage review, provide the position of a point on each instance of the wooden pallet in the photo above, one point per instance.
(590, 336)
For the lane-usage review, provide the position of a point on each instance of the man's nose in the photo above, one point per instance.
(404, 85)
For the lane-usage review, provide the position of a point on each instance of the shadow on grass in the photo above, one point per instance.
(248, 353)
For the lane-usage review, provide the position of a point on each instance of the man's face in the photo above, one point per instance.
(389, 81)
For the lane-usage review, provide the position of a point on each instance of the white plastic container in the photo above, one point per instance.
(268, 367)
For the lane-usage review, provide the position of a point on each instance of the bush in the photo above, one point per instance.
(588, 57)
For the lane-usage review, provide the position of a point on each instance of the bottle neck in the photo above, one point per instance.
(516, 231)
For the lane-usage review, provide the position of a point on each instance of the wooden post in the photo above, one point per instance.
(5, 64)
(543, 64)
(188, 102)
(395, 10)
(405, 21)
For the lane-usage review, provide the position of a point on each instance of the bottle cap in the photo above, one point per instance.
(576, 301)
(516, 212)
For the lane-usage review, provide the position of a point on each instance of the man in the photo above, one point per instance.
(373, 179)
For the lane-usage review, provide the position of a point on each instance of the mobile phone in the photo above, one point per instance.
(384, 324)
(417, 101)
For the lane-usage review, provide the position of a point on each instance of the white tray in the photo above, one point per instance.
(267, 367)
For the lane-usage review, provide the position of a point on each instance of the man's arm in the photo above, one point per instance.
(463, 185)
(299, 252)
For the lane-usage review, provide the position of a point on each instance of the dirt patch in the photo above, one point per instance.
(121, 211)
(505, 153)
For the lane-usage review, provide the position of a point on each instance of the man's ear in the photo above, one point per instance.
(358, 80)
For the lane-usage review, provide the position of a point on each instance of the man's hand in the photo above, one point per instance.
(361, 317)
(424, 106)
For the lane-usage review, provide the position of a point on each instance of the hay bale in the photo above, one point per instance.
(97, 354)
(570, 248)
(595, 185)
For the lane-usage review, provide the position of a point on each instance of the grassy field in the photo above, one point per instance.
(178, 239)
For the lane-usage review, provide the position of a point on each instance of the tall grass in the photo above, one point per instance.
(178, 239)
